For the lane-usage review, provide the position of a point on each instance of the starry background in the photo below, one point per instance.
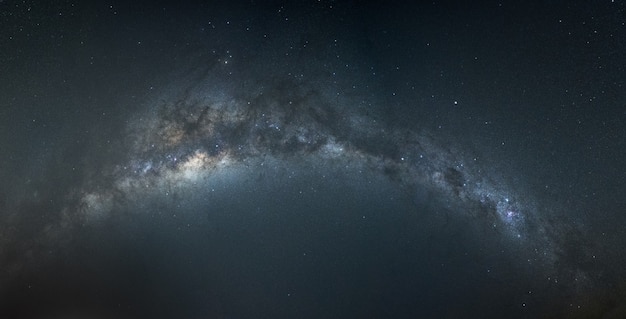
(312, 159)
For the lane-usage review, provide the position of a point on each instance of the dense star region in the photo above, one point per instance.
(326, 159)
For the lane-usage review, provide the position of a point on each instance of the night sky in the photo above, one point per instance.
(312, 159)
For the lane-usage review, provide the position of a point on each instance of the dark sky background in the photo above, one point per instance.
(312, 159)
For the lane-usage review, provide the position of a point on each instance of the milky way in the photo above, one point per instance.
(328, 160)
(207, 134)
(200, 136)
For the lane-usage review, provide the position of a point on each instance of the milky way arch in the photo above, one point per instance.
(184, 138)
(202, 131)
